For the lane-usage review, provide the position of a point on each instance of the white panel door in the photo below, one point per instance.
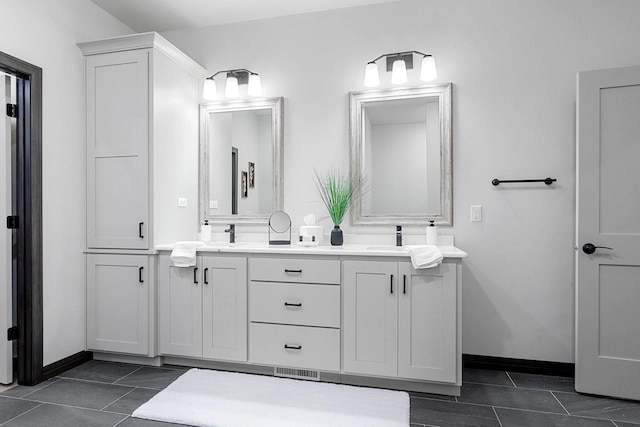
(608, 215)
(118, 303)
(6, 369)
(427, 323)
(224, 308)
(117, 150)
(180, 309)
(370, 318)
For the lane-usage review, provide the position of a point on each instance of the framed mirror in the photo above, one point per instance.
(400, 142)
(241, 160)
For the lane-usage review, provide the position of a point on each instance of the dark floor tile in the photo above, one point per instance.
(95, 370)
(444, 414)
(156, 378)
(64, 416)
(432, 396)
(517, 398)
(84, 394)
(23, 390)
(544, 382)
(517, 418)
(600, 407)
(138, 422)
(485, 376)
(130, 402)
(11, 408)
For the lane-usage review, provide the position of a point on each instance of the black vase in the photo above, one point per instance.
(336, 236)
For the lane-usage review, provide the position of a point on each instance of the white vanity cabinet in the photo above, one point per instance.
(401, 322)
(294, 312)
(142, 97)
(119, 291)
(203, 309)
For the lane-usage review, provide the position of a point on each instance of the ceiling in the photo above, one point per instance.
(166, 15)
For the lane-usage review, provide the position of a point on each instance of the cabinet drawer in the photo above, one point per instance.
(295, 304)
(295, 270)
(311, 348)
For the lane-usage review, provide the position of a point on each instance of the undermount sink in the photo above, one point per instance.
(385, 248)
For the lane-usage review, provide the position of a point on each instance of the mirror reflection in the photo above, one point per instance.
(241, 160)
(400, 141)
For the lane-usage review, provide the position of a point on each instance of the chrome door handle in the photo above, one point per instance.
(590, 248)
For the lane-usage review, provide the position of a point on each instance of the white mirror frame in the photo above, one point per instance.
(276, 106)
(357, 102)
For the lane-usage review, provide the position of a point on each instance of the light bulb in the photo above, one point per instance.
(231, 88)
(209, 91)
(255, 87)
(428, 69)
(371, 77)
(399, 72)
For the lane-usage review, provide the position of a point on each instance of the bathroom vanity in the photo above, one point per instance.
(352, 314)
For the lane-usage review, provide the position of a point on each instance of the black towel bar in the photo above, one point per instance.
(547, 181)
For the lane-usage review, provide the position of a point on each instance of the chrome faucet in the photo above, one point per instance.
(232, 233)
(398, 235)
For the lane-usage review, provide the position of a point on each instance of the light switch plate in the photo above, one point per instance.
(182, 202)
(213, 204)
(476, 213)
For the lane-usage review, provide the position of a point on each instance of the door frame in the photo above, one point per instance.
(28, 243)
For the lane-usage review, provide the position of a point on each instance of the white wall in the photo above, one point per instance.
(45, 33)
(513, 64)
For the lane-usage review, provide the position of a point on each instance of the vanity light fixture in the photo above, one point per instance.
(398, 64)
(234, 78)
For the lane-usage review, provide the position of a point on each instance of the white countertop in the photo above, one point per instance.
(294, 249)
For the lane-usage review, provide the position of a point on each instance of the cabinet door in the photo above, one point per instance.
(427, 323)
(117, 150)
(224, 308)
(180, 309)
(118, 303)
(370, 317)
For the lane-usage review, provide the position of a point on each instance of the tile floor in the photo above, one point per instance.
(103, 394)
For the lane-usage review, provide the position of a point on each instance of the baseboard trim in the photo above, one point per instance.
(537, 367)
(65, 364)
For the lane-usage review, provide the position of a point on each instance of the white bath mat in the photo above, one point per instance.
(227, 399)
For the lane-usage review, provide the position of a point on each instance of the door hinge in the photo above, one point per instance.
(12, 110)
(12, 333)
(12, 221)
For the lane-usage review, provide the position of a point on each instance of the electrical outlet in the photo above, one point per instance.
(182, 202)
(476, 213)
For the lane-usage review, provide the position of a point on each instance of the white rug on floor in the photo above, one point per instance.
(228, 399)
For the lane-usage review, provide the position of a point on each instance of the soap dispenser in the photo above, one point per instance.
(432, 234)
(205, 231)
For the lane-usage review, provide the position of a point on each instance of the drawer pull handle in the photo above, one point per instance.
(195, 275)
(404, 284)
(140, 230)
(289, 304)
(286, 270)
(391, 283)
(293, 347)
(206, 280)
(140, 279)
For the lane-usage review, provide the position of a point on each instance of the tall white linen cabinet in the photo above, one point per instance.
(142, 106)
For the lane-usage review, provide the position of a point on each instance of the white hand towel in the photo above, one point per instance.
(184, 254)
(425, 256)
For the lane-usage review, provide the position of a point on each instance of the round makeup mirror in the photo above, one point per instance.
(279, 228)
